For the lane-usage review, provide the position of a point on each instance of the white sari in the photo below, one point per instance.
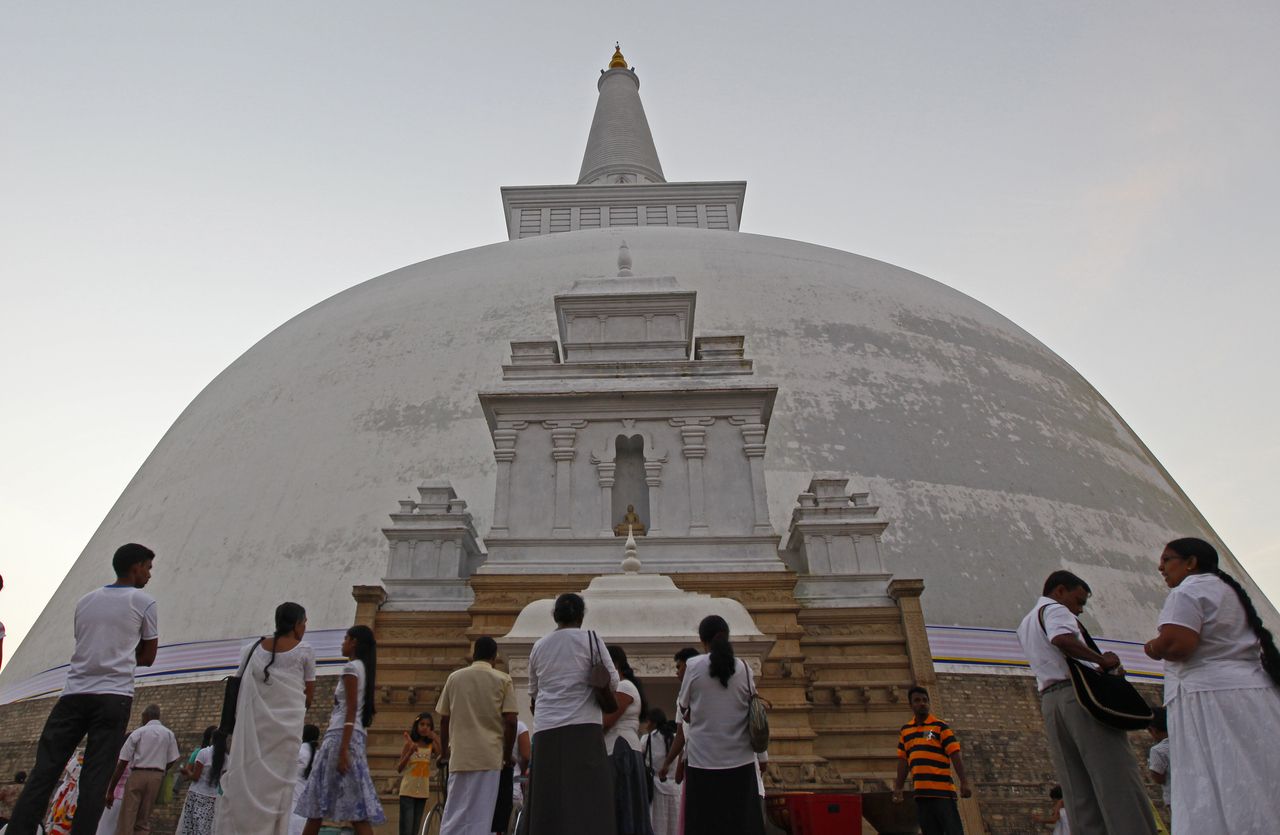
(257, 783)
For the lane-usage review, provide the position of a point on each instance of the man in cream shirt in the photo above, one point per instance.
(478, 714)
(151, 750)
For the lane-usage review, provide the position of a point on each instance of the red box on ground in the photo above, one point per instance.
(825, 814)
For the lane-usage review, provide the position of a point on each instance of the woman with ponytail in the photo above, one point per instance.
(205, 772)
(275, 692)
(720, 780)
(1222, 691)
(340, 786)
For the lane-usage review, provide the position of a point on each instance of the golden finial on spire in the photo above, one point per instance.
(618, 62)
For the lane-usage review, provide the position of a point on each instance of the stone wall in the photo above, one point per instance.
(996, 717)
(187, 709)
(997, 720)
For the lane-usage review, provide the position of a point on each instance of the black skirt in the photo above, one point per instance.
(570, 783)
(722, 801)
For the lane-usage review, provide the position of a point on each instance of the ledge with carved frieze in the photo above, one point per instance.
(594, 554)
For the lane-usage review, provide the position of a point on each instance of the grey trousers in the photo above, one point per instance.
(1104, 794)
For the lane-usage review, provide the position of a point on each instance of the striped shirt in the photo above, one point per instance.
(927, 747)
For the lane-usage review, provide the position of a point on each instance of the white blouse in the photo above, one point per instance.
(716, 735)
(1229, 655)
(559, 665)
(337, 719)
(628, 725)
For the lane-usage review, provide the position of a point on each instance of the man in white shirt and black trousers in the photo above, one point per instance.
(151, 749)
(1103, 789)
(116, 632)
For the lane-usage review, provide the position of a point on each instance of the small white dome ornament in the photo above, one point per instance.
(630, 562)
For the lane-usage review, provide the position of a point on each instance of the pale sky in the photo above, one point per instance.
(179, 178)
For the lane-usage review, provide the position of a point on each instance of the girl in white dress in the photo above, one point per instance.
(275, 691)
(664, 808)
(1222, 672)
(306, 756)
(205, 772)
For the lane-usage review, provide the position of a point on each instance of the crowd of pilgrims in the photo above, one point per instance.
(601, 760)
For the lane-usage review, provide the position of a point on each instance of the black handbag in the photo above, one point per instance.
(1108, 697)
(649, 773)
(231, 693)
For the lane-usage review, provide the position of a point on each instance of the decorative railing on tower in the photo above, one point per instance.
(621, 182)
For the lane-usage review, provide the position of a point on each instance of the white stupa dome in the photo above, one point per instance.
(993, 460)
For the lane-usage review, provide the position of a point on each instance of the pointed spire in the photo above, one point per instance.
(618, 62)
(620, 147)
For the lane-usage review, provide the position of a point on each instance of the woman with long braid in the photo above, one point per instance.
(720, 780)
(275, 692)
(1222, 691)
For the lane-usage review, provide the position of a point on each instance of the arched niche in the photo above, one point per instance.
(629, 486)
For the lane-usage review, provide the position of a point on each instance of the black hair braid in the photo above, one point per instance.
(276, 636)
(288, 615)
(219, 759)
(1270, 655)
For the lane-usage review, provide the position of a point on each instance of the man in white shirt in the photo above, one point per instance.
(1104, 794)
(116, 631)
(151, 750)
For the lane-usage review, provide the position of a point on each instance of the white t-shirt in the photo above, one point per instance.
(654, 747)
(1047, 661)
(628, 725)
(1158, 761)
(717, 735)
(305, 754)
(559, 664)
(1228, 657)
(203, 786)
(517, 791)
(150, 746)
(338, 718)
(109, 623)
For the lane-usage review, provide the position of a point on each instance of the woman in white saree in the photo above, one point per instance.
(275, 692)
(1222, 691)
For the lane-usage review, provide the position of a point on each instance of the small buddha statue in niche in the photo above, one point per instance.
(630, 521)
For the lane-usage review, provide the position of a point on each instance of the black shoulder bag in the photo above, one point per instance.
(231, 693)
(1108, 697)
(648, 762)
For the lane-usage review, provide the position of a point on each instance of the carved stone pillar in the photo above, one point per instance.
(693, 435)
(564, 434)
(368, 600)
(504, 452)
(653, 461)
(653, 480)
(753, 445)
(605, 469)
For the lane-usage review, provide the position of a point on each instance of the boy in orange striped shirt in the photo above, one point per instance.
(928, 748)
